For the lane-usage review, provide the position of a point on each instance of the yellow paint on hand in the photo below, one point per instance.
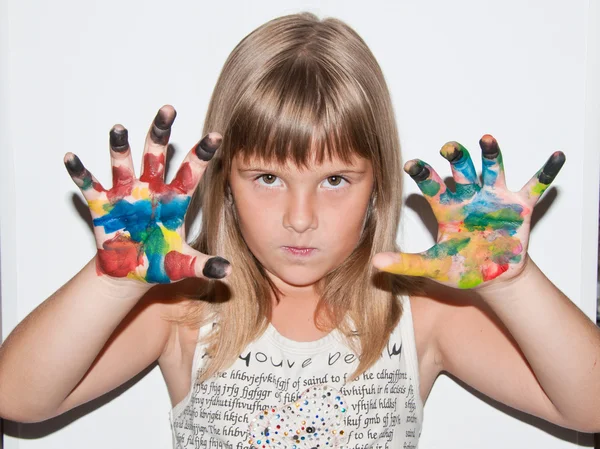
(140, 193)
(97, 207)
(416, 265)
(172, 238)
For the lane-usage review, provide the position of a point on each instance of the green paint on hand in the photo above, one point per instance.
(470, 279)
(448, 248)
(466, 191)
(506, 218)
(429, 187)
(539, 188)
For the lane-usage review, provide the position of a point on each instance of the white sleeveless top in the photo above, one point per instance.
(282, 393)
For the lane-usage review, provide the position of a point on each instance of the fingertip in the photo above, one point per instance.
(487, 138)
(450, 146)
(560, 157)
(452, 151)
(119, 138)
(409, 166)
(168, 111)
(207, 147)
(68, 156)
(417, 170)
(215, 137)
(73, 165)
(161, 126)
(552, 167)
(216, 268)
(383, 260)
(489, 146)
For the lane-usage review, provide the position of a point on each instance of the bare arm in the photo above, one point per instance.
(541, 355)
(561, 343)
(524, 344)
(50, 351)
(64, 353)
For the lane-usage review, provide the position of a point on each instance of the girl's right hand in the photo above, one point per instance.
(139, 223)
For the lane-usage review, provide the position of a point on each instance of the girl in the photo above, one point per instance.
(306, 327)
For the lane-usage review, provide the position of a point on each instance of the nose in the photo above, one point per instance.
(300, 212)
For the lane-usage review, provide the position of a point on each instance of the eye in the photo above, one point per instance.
(268, 179)
(336, 180)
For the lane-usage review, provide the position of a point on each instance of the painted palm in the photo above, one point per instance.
(139, 223)
(483, 229)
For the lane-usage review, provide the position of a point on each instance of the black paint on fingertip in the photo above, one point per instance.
(161, 127)
(160, 136)
(74, 166)
(204, 154)
(119, 140)
(418, 172)
(163, 121)
(207, 147)
(215, 268)
(552, 167)
(489, 148)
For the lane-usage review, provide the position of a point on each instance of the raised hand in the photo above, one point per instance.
(484, 230)
(139, 223)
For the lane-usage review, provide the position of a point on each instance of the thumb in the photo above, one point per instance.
(192, 263)
(412, 264)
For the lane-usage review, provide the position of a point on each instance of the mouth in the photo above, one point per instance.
(299, 251)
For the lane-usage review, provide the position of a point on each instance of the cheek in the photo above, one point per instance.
(344, 224)
(256, 220)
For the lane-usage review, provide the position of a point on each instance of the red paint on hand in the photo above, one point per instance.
(120, 256)
(492, 270)
(184, 180)
(179, 266)
(123, 184)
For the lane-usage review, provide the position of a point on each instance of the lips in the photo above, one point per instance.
(299, 251)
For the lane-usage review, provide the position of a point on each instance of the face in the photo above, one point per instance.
(322, 208)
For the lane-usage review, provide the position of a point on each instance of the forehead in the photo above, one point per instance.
(240, 161)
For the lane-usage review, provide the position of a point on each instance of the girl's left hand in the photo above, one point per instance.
(483, 230)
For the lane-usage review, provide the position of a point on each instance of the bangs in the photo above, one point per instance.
(301, 113)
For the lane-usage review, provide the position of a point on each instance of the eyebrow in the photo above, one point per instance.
(264, 169)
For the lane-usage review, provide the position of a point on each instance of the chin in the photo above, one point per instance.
(299, 276)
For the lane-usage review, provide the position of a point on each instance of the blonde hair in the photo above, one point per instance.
(296, 88)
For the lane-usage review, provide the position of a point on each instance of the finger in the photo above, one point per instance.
(171, 259)
(427, 179)
(414, 265)
(463, 170)
(193, 166)
(155, 147)
(90, 187)
(432, 186)
(537, 185)
(493, 165)
(123, 173)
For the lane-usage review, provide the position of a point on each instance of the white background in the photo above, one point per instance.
(524, 71)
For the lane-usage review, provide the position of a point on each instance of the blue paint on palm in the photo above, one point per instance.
(488, 211)
(489, 175)
(140, 220)
(465, 166)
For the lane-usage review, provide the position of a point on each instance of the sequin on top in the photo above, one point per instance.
(315, 419)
